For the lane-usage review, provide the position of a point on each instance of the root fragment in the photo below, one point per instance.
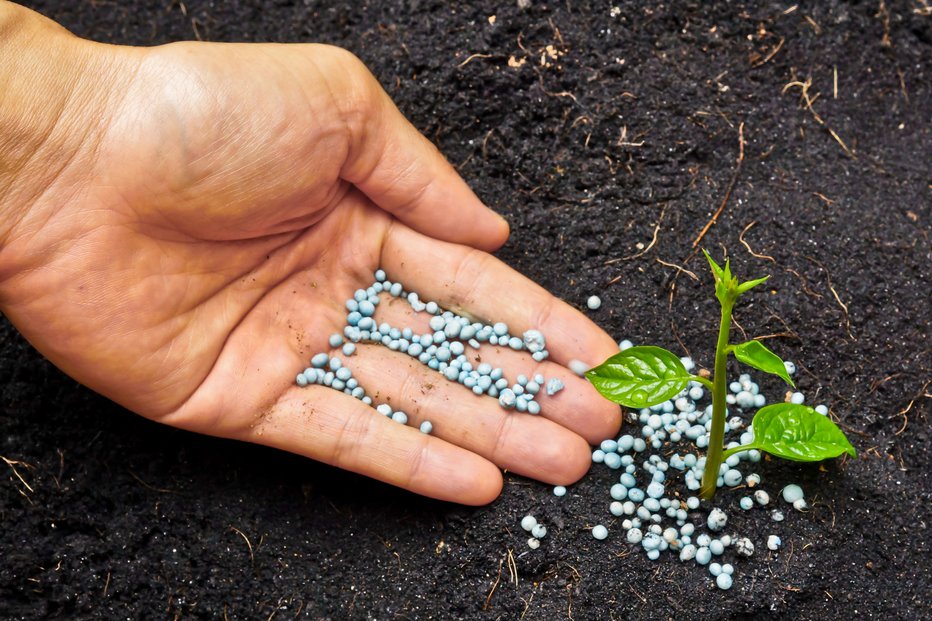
(746, 245)
(498, 579)
(649, 246)
(731, 186)
(252, 557)
(807, 102)
(12, 463)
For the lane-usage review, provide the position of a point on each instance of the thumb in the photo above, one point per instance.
(403, 173)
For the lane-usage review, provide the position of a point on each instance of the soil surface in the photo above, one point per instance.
(601, 134)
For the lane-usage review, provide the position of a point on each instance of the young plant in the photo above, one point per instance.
(643, 376)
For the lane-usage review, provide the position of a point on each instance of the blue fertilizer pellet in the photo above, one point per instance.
(554, 385)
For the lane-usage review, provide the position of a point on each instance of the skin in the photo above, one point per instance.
(181, 225)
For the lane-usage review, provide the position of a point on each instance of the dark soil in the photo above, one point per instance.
(619, 143)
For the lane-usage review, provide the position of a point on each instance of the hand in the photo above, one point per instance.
(196, 245)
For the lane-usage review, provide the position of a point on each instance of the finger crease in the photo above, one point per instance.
(419, 459)
(502, 433)
(468, 275)
(349, 437)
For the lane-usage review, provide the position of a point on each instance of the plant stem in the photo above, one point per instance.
(738, 449)
(704, 382)
(713, 460)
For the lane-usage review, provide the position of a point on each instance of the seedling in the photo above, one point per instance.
(643, 376)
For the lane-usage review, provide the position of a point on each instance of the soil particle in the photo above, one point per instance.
(594, 129)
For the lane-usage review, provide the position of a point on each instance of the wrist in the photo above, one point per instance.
(53, 89)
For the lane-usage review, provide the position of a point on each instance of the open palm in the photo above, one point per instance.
(199, 248)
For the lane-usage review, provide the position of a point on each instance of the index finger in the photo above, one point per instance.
(401, 170)
(468, 280)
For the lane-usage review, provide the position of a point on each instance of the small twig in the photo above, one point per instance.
(521, 45)
(840, 141)
(575, 571)
(744, 333)
(777, 335)
(540, 77)
(770, 55)
(844, 307)
(147, 486)
(788, 330)
(197, 31)
(731, 185)
(498, 579)
(789, 556)
(850, 429)
(805, 283)
(569, 607)
(485, 141)
(61, 467)
(903, 89)
(827, 200)
(884, 15)
(649, 246)
(623, 139)
(278, 606)
(804, 96)
(657, 571)
(676, 335)
(512, 568)
(905, 411)
(638, 595)
(753, 254)
(680, 269)
(527, 604)
(252, 557)
(905, 420)
(830, 508)
(814, 24)
(876, 384)
(12, 464)
(473, 57)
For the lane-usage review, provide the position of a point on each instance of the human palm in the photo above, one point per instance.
(199, 246)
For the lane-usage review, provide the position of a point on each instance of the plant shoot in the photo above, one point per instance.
(644, 376)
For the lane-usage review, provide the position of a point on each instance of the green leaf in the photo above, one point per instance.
(755, 354)
(799, 433)
(726, 285)
(747, 286)
(640, 377)
(716, 268)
